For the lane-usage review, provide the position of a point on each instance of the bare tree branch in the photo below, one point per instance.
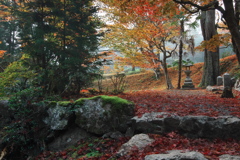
(211, 5)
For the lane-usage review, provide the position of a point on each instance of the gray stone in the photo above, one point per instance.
(227, 85)
(100, 117)
(188, 84)
(227, 80)
(196, 126)
(176, 155)
(219, 81)
(139, 141)
(209, 127)
(214, 88)
(129, 132)
(229, 157)
(59, 117)
(68, 138)
(155, 122)
(190, 126)
(209, 88)
(114, 135)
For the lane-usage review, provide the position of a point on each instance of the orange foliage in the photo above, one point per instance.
(141, 25)
(2, 52)
(216, 41)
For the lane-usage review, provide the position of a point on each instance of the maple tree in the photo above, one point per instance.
(149, 33)
(211, 70)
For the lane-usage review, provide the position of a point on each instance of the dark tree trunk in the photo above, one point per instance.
(232, 23)
(211, 59)
(180, 54)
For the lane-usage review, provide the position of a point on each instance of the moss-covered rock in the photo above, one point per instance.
(103, 114)
(64, 103)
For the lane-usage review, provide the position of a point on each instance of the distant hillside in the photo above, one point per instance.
(146, 80)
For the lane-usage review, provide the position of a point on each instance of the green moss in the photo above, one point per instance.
(114, 100)
(79, 101)
(64, 103)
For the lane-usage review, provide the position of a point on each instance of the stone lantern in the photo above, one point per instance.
(188, 84)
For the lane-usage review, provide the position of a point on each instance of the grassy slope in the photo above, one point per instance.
(146, 80)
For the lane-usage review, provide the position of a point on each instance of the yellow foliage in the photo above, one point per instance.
(216, 41)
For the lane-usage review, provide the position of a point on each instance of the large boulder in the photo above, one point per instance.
(68, 138)
(139, 141)
(176, 155)
(103, 114)
(59, 116)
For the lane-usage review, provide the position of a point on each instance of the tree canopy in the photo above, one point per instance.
(59, 37)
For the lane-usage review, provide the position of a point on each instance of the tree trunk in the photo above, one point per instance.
(157, 72)
(180, 54)
(211, 59)
(232, 23)
(167, 78)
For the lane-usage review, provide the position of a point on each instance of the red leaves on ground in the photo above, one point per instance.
(179, 102)
(211, 149)
(184, 102)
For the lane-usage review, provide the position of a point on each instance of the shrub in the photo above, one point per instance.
(16, 77)
(21, 132)
(119, 83)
